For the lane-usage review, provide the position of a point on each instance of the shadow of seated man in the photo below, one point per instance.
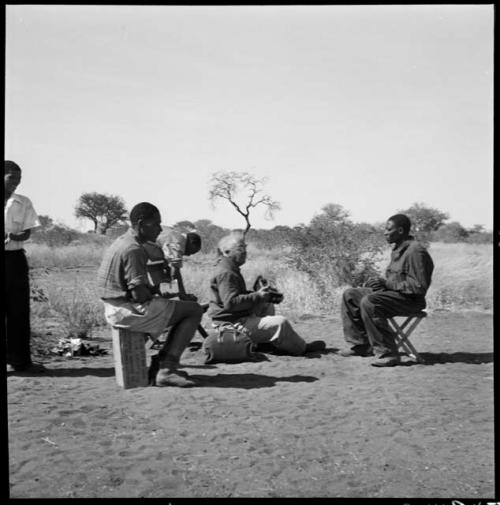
(231, 302)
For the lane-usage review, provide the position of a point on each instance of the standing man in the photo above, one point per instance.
(19, 217)
(231, 302)
(402, 293)
(132, 301)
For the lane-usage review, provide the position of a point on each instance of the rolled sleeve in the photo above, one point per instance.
(134, 268)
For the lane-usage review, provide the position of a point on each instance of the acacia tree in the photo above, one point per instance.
(184, 225)
(244, 192)
(103, 210)
(425, 219)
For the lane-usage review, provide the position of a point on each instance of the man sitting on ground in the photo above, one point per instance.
(402, 293)
(133, 301)
(232, 303)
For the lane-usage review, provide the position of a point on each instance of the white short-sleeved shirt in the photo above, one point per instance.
(19, 215)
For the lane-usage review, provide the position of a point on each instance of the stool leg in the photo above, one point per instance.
(399, 336)
(402, 337)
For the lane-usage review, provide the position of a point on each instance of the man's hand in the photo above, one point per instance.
(169, 294)
(141, 293)
(186, 297)
(376, 283)
(265, 293)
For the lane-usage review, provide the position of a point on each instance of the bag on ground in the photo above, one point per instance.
(229, 345)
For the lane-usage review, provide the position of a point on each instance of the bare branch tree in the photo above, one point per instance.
(244, 192)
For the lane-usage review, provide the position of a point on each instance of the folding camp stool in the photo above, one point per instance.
(403, 331)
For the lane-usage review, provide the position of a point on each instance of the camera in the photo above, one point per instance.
(261, 282)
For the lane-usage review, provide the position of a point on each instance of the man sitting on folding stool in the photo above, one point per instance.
(365, 311)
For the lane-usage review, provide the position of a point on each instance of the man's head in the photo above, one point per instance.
(12, 176)
(193, 243)
(233, 246)
(397, 228)
(146, 221)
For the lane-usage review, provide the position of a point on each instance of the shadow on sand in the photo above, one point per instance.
(247, 380)
(67, 372)
(470, 358)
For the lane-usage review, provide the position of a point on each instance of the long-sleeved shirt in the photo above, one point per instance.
(230, 300)
(410, 269)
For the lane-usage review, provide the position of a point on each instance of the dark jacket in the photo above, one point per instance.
(229, 299)
(410, 269)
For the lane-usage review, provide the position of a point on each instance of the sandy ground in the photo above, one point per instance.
(322, 426)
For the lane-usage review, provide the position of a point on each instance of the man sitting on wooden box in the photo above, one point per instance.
(134, 302)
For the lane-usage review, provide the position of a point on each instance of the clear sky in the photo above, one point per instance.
(370, 107)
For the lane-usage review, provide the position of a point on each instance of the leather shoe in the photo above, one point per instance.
(387, 360)
(317, 345)
(357, 350)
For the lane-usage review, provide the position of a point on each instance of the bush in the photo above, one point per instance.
(450, 233)
(483, 237)
(56, 235)
(334, 251)
(210, 234)
(70, 297)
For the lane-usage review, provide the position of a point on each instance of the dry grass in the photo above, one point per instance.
(463, 276)
(71, 298)
(462, 280)
(74, 255)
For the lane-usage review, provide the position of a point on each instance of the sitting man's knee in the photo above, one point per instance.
(197, 310)
(192, 309)
(366, 302)
(275, 321)
(284, 323)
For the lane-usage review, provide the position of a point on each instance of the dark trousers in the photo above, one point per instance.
(365, 312)
(17, 314)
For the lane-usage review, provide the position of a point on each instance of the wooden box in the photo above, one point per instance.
(129, 355)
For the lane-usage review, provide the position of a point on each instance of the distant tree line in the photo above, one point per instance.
(330, 231)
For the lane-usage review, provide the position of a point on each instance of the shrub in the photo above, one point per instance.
(424, 219)
(450, 232)
(334, 251)
(71, 297)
